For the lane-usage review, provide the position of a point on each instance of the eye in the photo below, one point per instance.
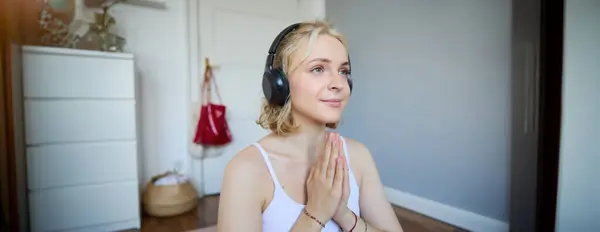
(345, 72)
(317, 69)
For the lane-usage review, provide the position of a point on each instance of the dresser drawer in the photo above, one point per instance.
(56, 121)
(82, 206)
(69, 73)
(69, 164)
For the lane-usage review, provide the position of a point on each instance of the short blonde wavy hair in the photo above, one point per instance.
(279, 119)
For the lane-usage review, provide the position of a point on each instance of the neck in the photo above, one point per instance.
(309, 140)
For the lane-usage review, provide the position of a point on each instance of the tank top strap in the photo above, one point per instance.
(345, 147)
(265, 156)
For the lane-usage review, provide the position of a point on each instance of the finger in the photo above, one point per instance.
(339, 174)
(346, 177)
(311, 173)
(341, 146)
(324, 159)
(342, 154)
(332, 160)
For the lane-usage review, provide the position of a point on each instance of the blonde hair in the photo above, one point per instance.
(279, 118)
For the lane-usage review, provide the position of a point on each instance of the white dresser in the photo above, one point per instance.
(81, 140)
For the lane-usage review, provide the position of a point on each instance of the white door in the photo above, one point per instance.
(235, 35)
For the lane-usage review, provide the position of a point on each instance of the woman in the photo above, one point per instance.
(302, 177)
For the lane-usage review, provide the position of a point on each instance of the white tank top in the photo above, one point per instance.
(283, 211)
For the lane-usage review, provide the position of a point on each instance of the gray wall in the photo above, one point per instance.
(432, 96)
(579, 181)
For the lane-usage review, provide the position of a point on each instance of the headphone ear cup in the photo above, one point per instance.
(283, 87)
(267, 85)
(275, 87)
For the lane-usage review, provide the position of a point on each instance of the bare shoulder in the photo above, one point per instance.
(246, 166)
(358, 151)
(361, 160)
(242, 192)
(246, 171)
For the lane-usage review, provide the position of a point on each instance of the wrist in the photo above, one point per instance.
(316, 218)
(309, 224)
(347, 219)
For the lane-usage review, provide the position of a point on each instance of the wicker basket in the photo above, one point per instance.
(168, 200)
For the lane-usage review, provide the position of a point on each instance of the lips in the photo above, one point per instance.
(333, 102)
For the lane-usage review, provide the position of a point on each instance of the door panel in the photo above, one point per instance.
(239, 90)
(243, 39)
(274, 9)
(235, 35)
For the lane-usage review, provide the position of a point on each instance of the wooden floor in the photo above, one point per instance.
(206, 215)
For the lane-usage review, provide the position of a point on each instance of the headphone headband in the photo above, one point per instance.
(282, 35)
(276, 42)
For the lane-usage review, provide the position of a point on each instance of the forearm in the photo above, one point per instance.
(306, 224)
(347, 222)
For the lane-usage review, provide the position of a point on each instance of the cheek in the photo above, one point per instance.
(305, 87)
(305, 95)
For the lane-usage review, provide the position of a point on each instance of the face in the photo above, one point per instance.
(319, 84)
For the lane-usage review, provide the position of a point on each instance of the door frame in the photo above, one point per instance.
(194, 69)
(551, 77)
(9, 120)
(193, 166)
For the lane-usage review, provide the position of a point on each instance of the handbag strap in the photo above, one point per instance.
(206, 90)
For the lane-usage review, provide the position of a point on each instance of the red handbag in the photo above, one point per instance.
(212, 128)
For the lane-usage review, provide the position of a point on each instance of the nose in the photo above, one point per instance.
(337, 83)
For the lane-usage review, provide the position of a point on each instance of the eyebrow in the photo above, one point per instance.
(325, 60)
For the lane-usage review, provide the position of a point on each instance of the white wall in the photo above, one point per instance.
(158, 40)
(578, 206)
(311, 9)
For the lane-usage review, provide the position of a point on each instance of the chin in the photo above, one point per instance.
(329, 118)
(322, 114)
(328, 115)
